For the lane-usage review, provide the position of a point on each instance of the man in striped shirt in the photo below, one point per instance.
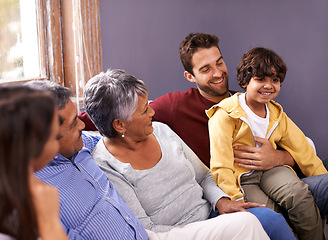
(91, 208)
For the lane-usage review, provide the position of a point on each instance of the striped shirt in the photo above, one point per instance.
(90, 207)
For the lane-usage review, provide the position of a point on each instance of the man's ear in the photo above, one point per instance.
(189, 76)
(119, 126)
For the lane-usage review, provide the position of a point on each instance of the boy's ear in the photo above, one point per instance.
(189, 76)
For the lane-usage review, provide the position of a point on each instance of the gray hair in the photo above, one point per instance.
(60, 94)
(112, 95)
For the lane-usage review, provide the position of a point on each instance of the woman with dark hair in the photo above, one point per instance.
(29, 209)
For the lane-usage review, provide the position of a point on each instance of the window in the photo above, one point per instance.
(19, 50)
(59, 38)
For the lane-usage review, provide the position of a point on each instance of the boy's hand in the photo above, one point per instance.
(261, 158)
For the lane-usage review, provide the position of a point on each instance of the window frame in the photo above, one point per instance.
(50, 44)
(69, 39)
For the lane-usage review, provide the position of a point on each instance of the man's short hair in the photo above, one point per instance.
(61, 94)
(192, 43)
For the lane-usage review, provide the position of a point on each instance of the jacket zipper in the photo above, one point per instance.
(275, 125)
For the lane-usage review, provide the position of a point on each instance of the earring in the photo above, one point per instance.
(123, 135)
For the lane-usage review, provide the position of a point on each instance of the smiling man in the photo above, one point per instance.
(184, 112)
(210, 74)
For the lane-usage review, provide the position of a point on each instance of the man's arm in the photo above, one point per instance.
(89, 140)
(261, 158)
(163, 107)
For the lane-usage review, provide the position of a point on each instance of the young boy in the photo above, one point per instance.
(238, 120)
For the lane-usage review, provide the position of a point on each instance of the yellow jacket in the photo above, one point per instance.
(228, 127)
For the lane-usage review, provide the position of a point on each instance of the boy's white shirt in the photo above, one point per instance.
(259, 125)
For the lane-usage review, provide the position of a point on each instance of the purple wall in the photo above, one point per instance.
(143, 38)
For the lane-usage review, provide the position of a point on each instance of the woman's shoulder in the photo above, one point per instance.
(101, 155)
(166, 137)
(161, 129)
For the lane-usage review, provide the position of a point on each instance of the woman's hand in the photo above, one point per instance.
(225, 205)
(46, 203)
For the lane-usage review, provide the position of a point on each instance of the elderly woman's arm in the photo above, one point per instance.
(217, 197)
(203, 176)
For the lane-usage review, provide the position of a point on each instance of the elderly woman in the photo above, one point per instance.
(162, 181)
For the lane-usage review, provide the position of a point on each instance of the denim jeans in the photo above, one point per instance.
(273, 223)
(318, 186)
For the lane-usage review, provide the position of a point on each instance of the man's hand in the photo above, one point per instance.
(261, 158)
(225, 205)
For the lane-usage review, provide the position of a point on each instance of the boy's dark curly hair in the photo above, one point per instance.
(260, 62)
